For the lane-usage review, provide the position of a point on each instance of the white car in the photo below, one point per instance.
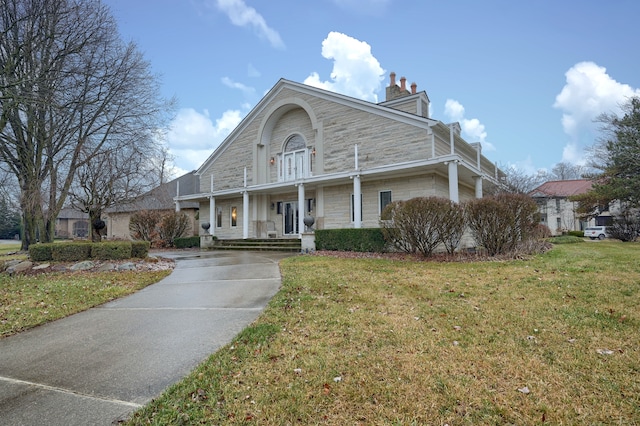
(599, 232)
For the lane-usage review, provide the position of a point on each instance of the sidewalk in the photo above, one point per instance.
(100, 365)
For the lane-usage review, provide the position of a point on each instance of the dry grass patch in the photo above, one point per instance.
(373, 341)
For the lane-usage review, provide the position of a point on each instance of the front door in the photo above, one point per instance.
(294, 165)
(291, 217)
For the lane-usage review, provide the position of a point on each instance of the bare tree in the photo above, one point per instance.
(71, 90)
(517, 181)
(116, 176)
(568, 171)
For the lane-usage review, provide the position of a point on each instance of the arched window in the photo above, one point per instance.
(80, 229)
(295, 143)
(294, 161)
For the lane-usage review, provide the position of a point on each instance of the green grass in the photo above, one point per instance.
(10, 251)
(370, 341)
(28, 301)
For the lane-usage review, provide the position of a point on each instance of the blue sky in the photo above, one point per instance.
(526, 78)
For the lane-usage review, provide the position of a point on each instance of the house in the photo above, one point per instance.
(72, 223)
(304, 151)
(558, 213)
(160, 199)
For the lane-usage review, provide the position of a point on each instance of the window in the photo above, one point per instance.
(81, 229)
(234, 216)
(218, 217)
(353, 211)
(559, 223)
(385, 198)
(558, 205)
(294, 162)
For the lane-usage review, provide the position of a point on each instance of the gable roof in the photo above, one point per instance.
(161, 197)
(562, 188)
(373, 108)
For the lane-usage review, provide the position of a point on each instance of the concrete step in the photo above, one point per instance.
(271, 244)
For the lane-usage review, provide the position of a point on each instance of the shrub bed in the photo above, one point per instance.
(77, 251)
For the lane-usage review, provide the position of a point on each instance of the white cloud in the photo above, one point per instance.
(356, 72)
(589, 91)
(193, 136)
(247, 90)
(472, 129)
(253, 71)
(245, 16)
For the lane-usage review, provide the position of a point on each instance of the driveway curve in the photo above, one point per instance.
(98, 366)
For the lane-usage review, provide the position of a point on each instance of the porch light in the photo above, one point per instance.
(272, 161)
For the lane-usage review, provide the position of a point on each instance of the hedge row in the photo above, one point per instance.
(186, 242)
(78, 251)
(351, 239)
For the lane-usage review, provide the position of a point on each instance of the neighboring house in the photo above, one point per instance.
(559, 213)
(161, 199)
(304, 151)
(72, 223)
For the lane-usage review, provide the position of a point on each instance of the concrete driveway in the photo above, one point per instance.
(98, 366)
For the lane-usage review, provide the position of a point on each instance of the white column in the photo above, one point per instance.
(301, 208)
(453, 181)
(357, 206)
(452, 139)
(478, 181)
(177, 195)
(212, 215)
(245, 215)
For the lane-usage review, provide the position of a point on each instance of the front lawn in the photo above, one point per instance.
(372, 341)
(30, 300)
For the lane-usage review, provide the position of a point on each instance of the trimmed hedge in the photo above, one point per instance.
(576, 233)
(78, 251)
(140, 249)
(351, 239)
(70, 252)
(187, 242)
(40, 252)
(116, 250)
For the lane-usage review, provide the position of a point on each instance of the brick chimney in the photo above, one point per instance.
(393, 91)
(414, 86)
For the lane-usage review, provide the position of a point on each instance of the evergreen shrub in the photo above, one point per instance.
(140, 249)
(71, 252)
(112, 250)
(350, 239)
(40, 252)
(187, 242)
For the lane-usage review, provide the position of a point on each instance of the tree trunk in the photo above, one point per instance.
(94, 217)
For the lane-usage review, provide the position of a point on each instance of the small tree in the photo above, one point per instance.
(143, 225)
(172, 226)
(419, 224)
(501, 222)
(452, 226)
